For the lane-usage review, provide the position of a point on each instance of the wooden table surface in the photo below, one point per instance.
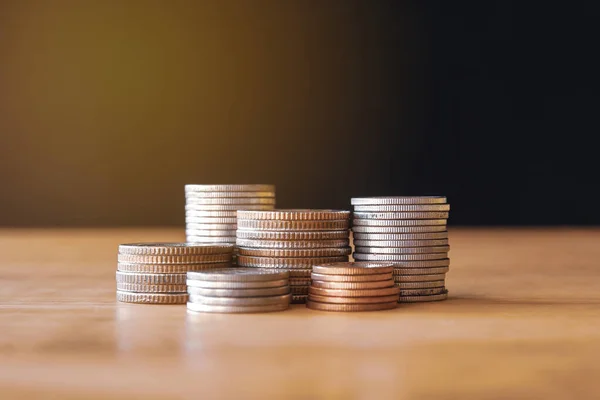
(522, 322)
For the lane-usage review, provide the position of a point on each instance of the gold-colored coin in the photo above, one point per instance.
(223, 194)
(323, 252)
(294, 215)
(150, 288)
(353, 268)
(353, 285)
(391, 291)
(351, 278)
(353, 300)
(402, 208)
(300, 282)
(383, 200)
(169, 268)
(167, 259)
(314, 305)
(151, 298)
(230, 188)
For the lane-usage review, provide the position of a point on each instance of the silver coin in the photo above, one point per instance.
(357, 221)
(151, 298)
(237, 201)
(402, 250)
(227, 207)
(444, 262)
(211, 239)
(235, 309)
(400, 272)
(221, 195)
(237, 285)
(403, 215)
(402, 208)
(291, 263)
(355, 201)
(239, 292)
(239, 275)
(409, 230)
(230, 188)
(292, 236)
(172, 249)
(209, 232)
(210, 214)
(292, 244)
(422, 292)
(220, 224)
(294, 215)
(399, 257)
(423, 299)
(419, 278)
(320, 252)
(168, 259)
(153, 279)
(400, 236)
(211, 227)
(240, 301)
(421, 285)
(149, 288)
(274, 225)
(169, 268)
(400, 243)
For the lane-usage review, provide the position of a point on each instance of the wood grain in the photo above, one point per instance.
(522, 322)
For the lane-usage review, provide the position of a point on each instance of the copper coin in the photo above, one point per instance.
(315, 305)
(353, 285)
(353, 268)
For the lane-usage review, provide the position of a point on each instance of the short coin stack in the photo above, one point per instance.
(238, 290)
(155, 273)
(352, 286)
(210, 210)
(411, 233)
(293, 240)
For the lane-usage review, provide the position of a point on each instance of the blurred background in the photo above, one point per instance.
(107, 108)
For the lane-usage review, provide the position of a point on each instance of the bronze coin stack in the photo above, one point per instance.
(352, 286)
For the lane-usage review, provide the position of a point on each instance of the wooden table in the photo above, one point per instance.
(522, 322)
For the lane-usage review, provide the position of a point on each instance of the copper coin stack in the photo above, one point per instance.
(155, 273)
(293, 240)
(352, 286)
(210, 210)
(410, 232)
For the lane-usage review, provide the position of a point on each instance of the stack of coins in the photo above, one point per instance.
(293, 240)
(238, 290)
(210, 210)
(155, 273)
(352, 286)
(411, 233)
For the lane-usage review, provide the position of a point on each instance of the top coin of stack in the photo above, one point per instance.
(156, 272)
(210, 210)
(409, 232)
(293, 240)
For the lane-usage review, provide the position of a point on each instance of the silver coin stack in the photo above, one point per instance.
(155, 273)
(210, 210)
(238, 290)
(293, 240)
(411, 233)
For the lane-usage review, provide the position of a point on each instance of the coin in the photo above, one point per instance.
(292, 244)
(351, 278)
(399, 222)
(399, 257)
(300, 282)
(398, 271)
(285, 253)
(239, 292)
(154, 279)
(402, 215)
(400, 236)
(239, 275)
(168, 268)
(299, 299)
(240, 301)
(352, 285)
(352, 268)
(407, 264)
(419, 278)
(230, 188)
(402, 208)
(221, 195)
(402, 250)
(400, 243)
(273, 225)
(293, 236)
(236, 285)
(296, 290)
(220, 224)
(423, 299)
(355, 201)
(209, 232)
(409, 230)
(176, 249)
(391, 291)
(294, 215)
(207, 308)
(151, 298)
(315, 305)
(422, 292)
(420, 285)
(299, 273)
(211, 239)
(227, 207)
(352, 300)
(274, 262)
(210, 214)
(237, 201)
(150, 288)
(169, 259)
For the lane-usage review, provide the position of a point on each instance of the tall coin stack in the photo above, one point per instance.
(352, 286)
(238, 290)
(411, 233)
(210, 210)
(293, 240)
(155, 273)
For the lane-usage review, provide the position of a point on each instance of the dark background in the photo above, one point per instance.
(107, 108)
